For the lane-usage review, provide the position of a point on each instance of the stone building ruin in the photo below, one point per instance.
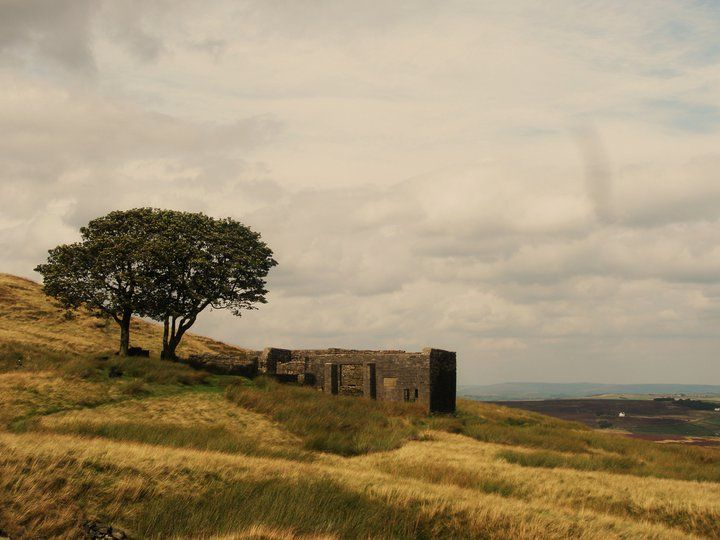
(427, 377)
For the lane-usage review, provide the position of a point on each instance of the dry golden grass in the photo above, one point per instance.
(123, 477)
(160, 453)
(32, 319)
(260, 532)
(23, 395)
(179, 420)
(691, 506)
(445, 484)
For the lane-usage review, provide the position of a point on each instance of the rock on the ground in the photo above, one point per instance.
(98, 531)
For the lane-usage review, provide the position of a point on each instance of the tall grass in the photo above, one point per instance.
(49, 491)
(676, 504)
(306, 506)
(16, 356)
(648, 459)
(341, 425)
(443, 473)
(583, 448)
(216, 438)
(352, 426)
(581, 462)
(149, 370)
(30, 318)
(159, 452)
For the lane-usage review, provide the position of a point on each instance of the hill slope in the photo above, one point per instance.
(161, 451)
(32, 320)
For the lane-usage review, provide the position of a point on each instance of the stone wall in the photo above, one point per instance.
(225, 365)
(350, 380)
(270, 357)
(404, 378)
(426, 377)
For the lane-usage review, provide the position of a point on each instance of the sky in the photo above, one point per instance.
(535, 185)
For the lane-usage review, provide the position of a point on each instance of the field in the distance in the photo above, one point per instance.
(658, 420)
(164, 451)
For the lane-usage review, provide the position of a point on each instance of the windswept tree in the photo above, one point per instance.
(107, 271)
(200, 262)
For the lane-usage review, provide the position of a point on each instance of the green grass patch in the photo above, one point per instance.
(200, 437)
(150, 370)
(341, 425)
(312, 506)
(581, 462)
(644, 459)
(21, 356)
(351, 426)
(438, 473)
(588, 448)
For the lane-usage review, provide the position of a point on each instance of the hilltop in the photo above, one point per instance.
(31, 320)
(159, 450)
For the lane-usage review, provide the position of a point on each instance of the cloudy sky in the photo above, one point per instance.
(533, 184)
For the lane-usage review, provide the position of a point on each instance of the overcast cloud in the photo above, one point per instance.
(533, 184)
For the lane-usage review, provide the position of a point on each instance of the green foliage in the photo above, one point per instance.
(199, 261)
(107, 271)
(165, 264)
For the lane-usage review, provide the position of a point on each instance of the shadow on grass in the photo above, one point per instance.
(199, 437)
(310, 506)
(351, 426)
(341, 425)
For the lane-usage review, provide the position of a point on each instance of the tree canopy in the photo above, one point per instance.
(200, 262)
(106, 271)
(164, 264)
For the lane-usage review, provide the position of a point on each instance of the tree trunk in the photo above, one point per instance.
(165, 354)
(125, 333)
(169, 349)
(172, 335)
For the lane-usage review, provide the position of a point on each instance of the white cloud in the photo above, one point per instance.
(534, 187)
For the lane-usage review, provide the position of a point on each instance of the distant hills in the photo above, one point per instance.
(530, 390)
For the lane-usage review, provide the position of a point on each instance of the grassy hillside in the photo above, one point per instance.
(31, 321)
(163, 451)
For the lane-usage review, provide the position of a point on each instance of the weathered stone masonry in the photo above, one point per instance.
(427, 377)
